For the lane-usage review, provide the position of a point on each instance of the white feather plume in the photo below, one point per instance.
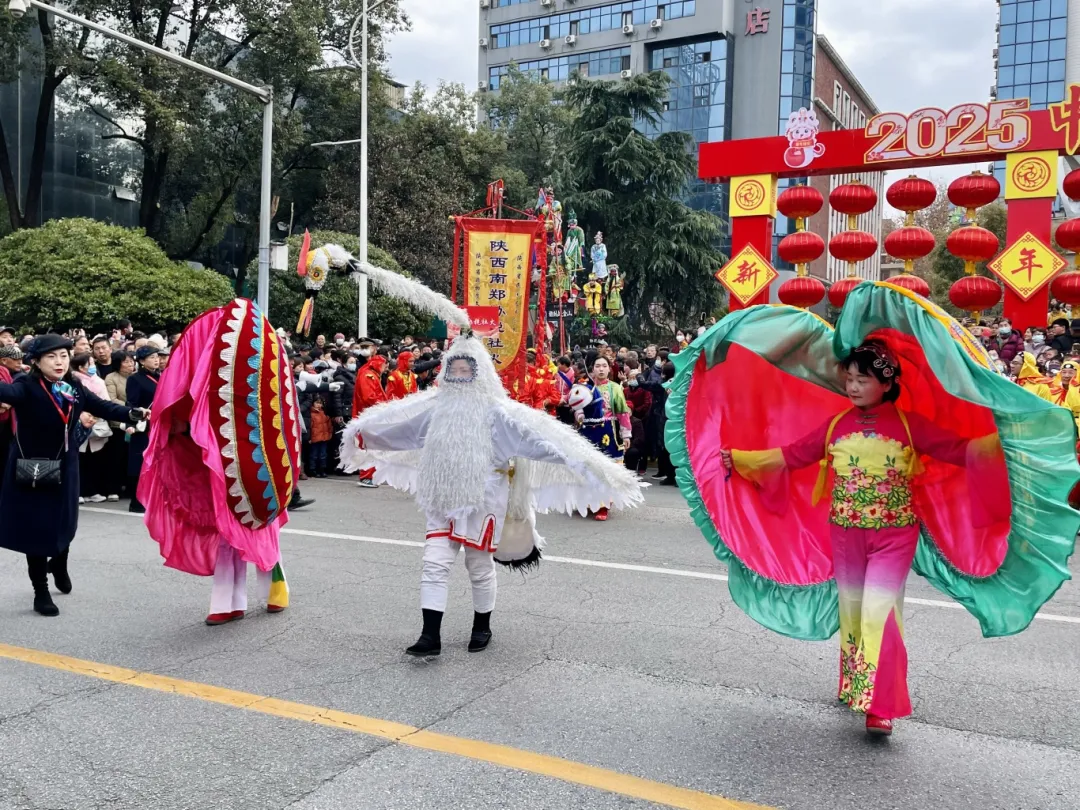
(398, 286)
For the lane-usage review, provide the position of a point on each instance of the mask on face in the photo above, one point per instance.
(1038, 339)
(1004, 331)
(365, 352)
(92, 371)
(351, 365)
(340, 341)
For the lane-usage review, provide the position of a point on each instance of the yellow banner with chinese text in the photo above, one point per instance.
(497, 274)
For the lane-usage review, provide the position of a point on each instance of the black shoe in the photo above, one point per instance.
(136, 507)
(43, 603)
(429, 642)
(58, 568)
(669, 482)
(481, 632)
(479, 641)
(658, 477)
(300, 503)
(425, 647)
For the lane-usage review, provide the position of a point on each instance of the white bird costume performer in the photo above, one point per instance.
(480, 466)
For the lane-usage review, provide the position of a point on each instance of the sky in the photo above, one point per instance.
(906, 53)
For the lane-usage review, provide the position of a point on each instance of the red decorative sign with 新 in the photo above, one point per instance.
(968, 133)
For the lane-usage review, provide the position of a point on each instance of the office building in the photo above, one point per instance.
(739, 69)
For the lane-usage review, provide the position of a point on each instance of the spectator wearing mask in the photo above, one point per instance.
(141, 387)
(308, 387)
(1037, 345)
(339, 406)
(116, 450)
(1009, 342)
(402, 381)
(369, 392)
(95, 483)
(665, 472)
(102, 351)
(640, 402)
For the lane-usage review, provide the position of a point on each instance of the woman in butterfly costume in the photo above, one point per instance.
(480, 466)
(933, 462)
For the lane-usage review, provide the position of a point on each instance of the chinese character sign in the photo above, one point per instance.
(497, 277)
(757, 22)
(747, 275)
(1027, 265)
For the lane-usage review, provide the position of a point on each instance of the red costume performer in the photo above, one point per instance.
(402, 381)
(369, 391)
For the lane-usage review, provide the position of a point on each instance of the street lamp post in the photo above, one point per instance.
(17, 8)
(362, 65)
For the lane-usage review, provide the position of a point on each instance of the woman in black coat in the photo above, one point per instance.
(40, 521)
(141, 387)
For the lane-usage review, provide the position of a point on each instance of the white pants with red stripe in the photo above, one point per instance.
(229, 592)
(439, 556)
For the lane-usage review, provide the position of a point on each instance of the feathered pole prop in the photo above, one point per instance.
(313, 268)
(398, 286)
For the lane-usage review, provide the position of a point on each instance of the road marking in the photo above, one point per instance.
(642, 569)
(514, 758)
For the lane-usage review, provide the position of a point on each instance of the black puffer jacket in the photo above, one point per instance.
(341, 401)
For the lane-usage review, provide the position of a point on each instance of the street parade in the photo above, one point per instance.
(750, 407)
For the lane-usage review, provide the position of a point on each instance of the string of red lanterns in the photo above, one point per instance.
(801, 247)
(910, 242)
(973, 243)
(1066, 286)
(852, 245)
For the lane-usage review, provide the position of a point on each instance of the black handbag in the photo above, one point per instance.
(39, 473)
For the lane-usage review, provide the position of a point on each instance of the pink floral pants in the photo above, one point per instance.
(871, 567)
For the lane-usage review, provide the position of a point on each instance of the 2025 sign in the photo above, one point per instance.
(1001, 126)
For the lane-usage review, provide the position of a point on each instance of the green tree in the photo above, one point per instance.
(531, 114)
(336, 305)
(629, 188)
(78, 272)
(426, 165)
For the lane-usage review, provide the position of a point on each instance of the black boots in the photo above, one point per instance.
(481, 632)
(58, 568)
(429, 643)
(38, 568)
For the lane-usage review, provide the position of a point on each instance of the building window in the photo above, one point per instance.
(587, 20)
(837, 94)
(1031, 51)
(559, 68)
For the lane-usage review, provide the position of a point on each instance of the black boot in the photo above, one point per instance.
(430, 642)
(481, 632)
(58, 568)
(38, 568)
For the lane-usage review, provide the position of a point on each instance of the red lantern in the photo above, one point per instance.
(801, 291)
(973, 191)
(972, 244)
(974, 293)
(1066, 288)
(799, 202)
(853, 199)
(801, 247)
(1071, 185)
(853, 246)
(909, 244)
(911, 282)
(840, 290)
(1068, 236)
(911, 194)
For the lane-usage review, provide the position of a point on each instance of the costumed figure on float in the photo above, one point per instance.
(574, 247)
(598, 254)
(594, 295)
(936, 463)
(613, 303)
(480, 466)
(223, 457)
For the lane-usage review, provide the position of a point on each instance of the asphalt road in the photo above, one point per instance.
(645, 673)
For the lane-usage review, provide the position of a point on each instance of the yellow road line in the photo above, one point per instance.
(566, 770)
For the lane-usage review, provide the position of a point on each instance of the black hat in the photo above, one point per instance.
(148, 351)
(43, 344)
(9, 329)
(1076, 323)
(1061, 322)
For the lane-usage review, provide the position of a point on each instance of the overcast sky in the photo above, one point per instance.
(907, 53)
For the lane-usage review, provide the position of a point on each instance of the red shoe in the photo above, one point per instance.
(215, 619)
(601, 514)
(878, 726)
(274, 608)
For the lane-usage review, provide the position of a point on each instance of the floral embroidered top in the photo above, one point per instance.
(874, 455)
